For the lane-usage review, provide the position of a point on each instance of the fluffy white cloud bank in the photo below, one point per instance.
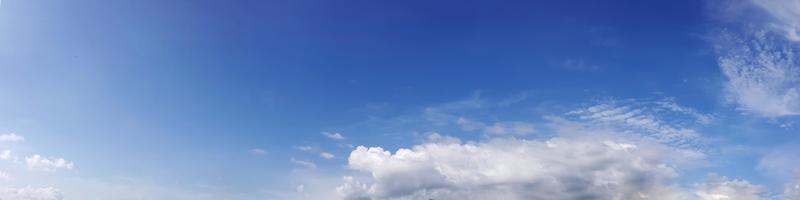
(30, 193)
(558, 168)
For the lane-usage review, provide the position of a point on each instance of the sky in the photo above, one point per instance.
(400, 100)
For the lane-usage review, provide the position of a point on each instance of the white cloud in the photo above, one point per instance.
(307, 164)
(30, 193)
(786, 16)
(304, 148)
(5, 155)
(758, 58)
(510, 128)
(334, 136)
(11, 137)
(663, 120)
(326, 155)
(4, 176)
(558, 168)
(37, 162)
(763, 76)
(468, 124)
(257, 151)
(721, 188)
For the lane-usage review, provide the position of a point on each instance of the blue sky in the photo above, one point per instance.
(300, 99)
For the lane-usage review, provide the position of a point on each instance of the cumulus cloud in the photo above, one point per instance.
(37, 162)
(334, 136)
(30, 193)
(11, 137)
(558, 168)
(722, 188)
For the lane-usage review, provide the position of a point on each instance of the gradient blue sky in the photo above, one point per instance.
(236, 99)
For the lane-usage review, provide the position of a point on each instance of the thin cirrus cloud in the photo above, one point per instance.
(333, 136)
(763, 76)
(258, 152)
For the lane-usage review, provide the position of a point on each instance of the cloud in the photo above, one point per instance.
(326, 155)
(469, 125)
(722, 188)
(306, 164)
(11, 137)
(785, 16)
(258, 152)
(510, 128)
(30, 193)
(558, 168)
(304, 148)
(663, 120)
(757, 56)
(5, 155)
(37, 162)
(4, 176)
(334, 136)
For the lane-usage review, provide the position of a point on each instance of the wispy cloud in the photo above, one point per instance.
(334, 136)
(759, 60)
(304, 163)
(326, 155)
(258, 152)
(662, 120)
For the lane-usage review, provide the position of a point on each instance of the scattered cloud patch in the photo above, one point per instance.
(304, 148)
(31, 193)
(663, 121)
(37, 162)
(326, 155)
(11, 137)
(306, 164)
(258, 152)
(334, 136)
(5, 155)
(510, 128)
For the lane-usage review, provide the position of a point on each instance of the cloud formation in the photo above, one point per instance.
(11, 137)
(334, 136)
(558, 168)
(30, 193)
(663, 120)
(759, 60)
(722, 188)
(37, 162)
